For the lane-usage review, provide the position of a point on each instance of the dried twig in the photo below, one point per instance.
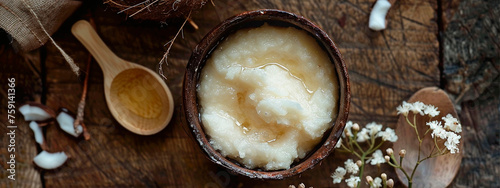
(118, 4)
(147, 6)
(81, 105)
(170, 44)
(130, 7)
(193, 24)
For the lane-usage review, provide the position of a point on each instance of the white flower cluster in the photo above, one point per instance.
(374, 183)
(447, 132)
(353, 133)
(417, 108)
(338, 175)
(348, 128)
(353, 169)
(377, 182)
(377, 158)
(370, 130)
(452, 139)
(340, 172)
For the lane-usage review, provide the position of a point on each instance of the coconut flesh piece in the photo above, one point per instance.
(32, 112)
(66, 121)
(50, 161)
(37, 131)
(377, 16)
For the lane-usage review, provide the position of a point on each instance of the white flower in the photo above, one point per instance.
(363, 135)
(347, 128)
(439, 132)
(338, 175)
(418, 107)
(377, 183)
(434, 125)
(351, 167)
(437, 129)
(452, 142)
(404, 108)
(373, 128)
(377, 158)
(353, 181)
(388, 135)
(339, 143)
(431, 110)
(452, 123)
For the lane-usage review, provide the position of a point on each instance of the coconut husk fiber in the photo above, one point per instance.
(156, 10)
(18, 20)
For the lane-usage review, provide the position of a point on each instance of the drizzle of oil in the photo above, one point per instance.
(310, 91)
(246, 127)
(276, 131)
(271, 141)
(289, 73)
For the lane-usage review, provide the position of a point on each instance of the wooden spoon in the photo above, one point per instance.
(434, 172)
(136, 96)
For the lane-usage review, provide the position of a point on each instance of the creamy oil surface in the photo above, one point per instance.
(267, 95)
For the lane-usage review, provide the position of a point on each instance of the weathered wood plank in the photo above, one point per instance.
(385, 68)
(471, 53)
(28, 88)
(114, 156)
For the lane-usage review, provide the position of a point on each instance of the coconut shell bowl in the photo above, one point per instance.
(253, 19)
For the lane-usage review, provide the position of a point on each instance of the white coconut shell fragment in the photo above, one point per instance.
(66, 121)
(377, 16)
(37, 131)
(36, 112)
(50, 161)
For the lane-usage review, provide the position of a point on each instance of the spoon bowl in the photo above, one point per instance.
(437, 171)
(136, 96)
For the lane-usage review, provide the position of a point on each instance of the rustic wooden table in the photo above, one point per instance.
(453, 45)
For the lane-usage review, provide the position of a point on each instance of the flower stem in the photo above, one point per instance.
(362, 168)
(376, 147)
(408, 121)
(416, 130)
(414, 170)
(426, 132)
(358, 146)
(436, 145)
(400, 167)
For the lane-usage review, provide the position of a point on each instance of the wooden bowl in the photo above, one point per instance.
(249, 20)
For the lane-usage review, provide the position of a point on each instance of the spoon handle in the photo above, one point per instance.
(109, 62)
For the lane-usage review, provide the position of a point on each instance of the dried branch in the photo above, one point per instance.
(147, 6)
(81, 104)
(170, 44)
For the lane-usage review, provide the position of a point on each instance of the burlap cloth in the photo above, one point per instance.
(17, 20)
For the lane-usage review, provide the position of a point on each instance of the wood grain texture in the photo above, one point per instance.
(115, 156)
(28, 88)
(472, 73)
(373, 59)
(385, 68)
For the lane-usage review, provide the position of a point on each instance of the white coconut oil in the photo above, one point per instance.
(267, 95)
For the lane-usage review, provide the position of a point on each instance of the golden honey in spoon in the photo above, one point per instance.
(136, 96)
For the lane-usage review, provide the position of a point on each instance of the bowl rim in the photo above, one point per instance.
(203, 50)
